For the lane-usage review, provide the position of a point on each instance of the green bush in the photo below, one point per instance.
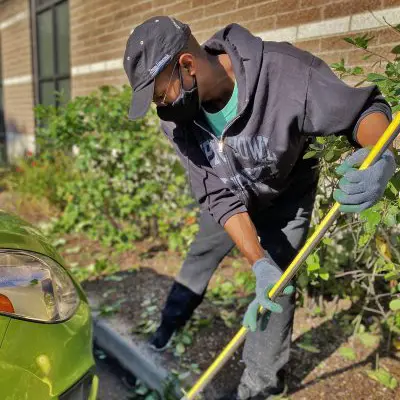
(361, 250)
(126, 182)
(42, 177)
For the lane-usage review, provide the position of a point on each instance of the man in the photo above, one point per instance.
(239, 112)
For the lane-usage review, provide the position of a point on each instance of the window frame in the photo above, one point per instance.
(3, 127)
(1, 83)
(56, 77)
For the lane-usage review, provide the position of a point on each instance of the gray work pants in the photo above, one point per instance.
(282, 228)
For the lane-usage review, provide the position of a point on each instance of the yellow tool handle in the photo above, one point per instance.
(383, 143)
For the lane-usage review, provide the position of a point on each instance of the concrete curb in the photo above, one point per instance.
(129, 356)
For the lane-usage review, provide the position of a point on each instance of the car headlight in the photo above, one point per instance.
(35, 287)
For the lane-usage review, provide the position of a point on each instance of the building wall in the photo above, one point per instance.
(99, 30)
(16, 57)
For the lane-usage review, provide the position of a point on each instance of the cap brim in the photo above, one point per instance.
(141, 101)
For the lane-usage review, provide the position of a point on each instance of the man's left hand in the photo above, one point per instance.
(359, 190)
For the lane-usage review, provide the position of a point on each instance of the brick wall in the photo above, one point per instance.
(99, 28)
(332, 49)
(16, 59)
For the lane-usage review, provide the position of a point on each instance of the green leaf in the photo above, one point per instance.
(184, 375)
(203, 322)
(316, 146)
(312, 267)
(357, 71)
(59, 242)
(309, 154)
(186, 339)
(372, 218)
(180, 348)
(150, 327)
(395, 305)
(308, 347)
(363, 239)
(384, 377)
(90, 268)
(339, 66)
(303, 280)
(108, 292)
(327, 241)
(392, 276)
(390, 219)
(368, 339)
(347, 353)
(350, 40)
(396, 49)
(141, 390)
(151, 309)
(324, 275)
(373, 77)
(313, 262)
(329, 155)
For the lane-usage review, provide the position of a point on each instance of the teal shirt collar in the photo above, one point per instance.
(220, 119)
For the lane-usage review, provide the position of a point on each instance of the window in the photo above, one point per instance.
(52, 51)
(1, 88)
(2, 120)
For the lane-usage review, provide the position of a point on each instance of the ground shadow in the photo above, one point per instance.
(327, 337)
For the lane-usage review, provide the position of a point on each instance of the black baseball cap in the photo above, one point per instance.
(150, 48)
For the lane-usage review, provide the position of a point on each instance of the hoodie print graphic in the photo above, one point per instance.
(254, 152)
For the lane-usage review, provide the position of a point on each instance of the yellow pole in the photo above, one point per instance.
(383, 143)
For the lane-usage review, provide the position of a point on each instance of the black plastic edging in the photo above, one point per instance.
(129, 355)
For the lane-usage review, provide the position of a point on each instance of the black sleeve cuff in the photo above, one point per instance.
(221, 219)
(374, 108)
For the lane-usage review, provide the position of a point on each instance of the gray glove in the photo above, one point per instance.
(267, 274)
(359, 190)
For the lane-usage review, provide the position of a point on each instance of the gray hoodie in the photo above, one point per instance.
(286, 96)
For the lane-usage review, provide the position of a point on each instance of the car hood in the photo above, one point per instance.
(18, 234)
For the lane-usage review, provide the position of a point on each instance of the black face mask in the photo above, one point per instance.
(184, 108)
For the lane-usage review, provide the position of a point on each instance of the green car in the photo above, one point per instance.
(45, 321)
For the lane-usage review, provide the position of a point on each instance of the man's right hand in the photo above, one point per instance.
(267, 274)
